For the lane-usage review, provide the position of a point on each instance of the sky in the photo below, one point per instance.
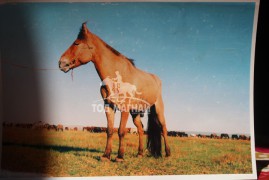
(200, 51)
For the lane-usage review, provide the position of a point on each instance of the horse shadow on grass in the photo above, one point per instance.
(62, 149)
(58, 148)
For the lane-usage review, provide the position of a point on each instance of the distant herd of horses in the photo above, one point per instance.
(211, 136)
(39, 125)
(94, 129)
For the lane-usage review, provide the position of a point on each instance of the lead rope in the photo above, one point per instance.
(36, 69)
(29, 67)
(72, 75)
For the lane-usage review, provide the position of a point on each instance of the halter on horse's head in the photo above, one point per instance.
(80, 52)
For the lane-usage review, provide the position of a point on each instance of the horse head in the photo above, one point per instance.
(80, 52)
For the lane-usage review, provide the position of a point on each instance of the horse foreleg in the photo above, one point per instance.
(110, 113)
(121, 133)
(160, 114)
(138, 124)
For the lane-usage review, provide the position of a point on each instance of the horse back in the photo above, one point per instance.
(148, 84)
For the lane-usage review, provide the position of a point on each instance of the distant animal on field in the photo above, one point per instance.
(60, 127)
(224, 136)
(235, 136)
(242, 137)
(214, 136)
(52, 127)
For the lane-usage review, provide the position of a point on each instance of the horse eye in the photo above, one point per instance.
(76, 43)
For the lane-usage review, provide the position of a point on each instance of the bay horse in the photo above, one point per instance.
(88, 47)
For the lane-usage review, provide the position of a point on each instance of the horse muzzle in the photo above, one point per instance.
(65, 65)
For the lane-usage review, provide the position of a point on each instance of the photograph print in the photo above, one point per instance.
(137, 89)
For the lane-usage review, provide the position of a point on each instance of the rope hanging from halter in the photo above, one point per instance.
(72, 75)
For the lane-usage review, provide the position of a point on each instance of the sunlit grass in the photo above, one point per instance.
(76, 153)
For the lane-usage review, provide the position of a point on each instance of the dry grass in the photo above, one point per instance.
(76, 153)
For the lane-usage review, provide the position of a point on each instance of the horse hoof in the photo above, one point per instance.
(139, 155)
(104, 159)
(119, 159)
(167, 155)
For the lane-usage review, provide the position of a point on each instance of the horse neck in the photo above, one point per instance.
(107, 62)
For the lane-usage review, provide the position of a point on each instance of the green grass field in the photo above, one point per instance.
(77, 153)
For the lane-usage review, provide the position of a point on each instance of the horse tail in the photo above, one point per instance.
(154, 142)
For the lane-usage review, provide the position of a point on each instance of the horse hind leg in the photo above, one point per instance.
(139, 125)
(161, 118)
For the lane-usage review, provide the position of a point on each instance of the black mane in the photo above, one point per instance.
(117, 52)
(131, 61)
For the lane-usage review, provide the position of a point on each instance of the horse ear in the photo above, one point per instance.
(83, 31)
(84, 27)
